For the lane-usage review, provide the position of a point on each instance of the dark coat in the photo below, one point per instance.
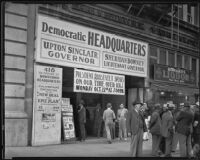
(82, 115)
(184, 122)
(197, 118)
(167, 124)
(133, 122)
(155, 123)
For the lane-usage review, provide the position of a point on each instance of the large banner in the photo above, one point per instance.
(172, 74)
(97, 82)
(47, 105)
(68, 44)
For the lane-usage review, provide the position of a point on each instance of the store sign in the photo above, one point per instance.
(97, 82)
(67, 119)
(69, 44)
(47, 105)
(172, 74)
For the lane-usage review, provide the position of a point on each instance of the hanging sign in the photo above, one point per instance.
(67, 119)
(68, 44)
(97, 82)
(47, 105)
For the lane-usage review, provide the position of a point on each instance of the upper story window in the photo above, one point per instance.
(171, 59)
(162, 56)
(179, 61)
(187, 62)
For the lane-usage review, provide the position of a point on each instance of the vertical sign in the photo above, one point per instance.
(47, 105)
(67, 119)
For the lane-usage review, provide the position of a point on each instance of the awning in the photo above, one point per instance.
(186, 90)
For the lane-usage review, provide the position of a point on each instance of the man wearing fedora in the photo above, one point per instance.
(184, 129)
(136, 127)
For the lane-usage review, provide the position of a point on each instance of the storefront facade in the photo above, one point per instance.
(95, 53)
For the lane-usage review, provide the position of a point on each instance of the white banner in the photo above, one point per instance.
(47, 105)
(97, 82)
(69, 44)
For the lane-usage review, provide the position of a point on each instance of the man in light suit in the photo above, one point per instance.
(167, 129)
(108, 117)
(82, 120)
(135, 127)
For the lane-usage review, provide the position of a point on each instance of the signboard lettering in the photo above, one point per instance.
(68, 44)
(96, 82)
(172, 74)
(47, 107)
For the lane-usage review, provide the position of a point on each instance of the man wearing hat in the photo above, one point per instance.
(184, 130)
(82, 120)
(136, 127)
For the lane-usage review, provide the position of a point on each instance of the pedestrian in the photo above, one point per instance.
(136, 127)
(145, 112)
(167, 129)
(98, 120)
(108, 116)
(196, 125)
(184, 130)
(155, 130)
(175, 136)
(122, 116)
(82, 120)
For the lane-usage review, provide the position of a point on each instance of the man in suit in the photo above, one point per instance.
(136, 127)
(98, 121)
(155, 129)
(82, 120)
(196, 127)
(167, 129)
(108, 117)
(184, 130)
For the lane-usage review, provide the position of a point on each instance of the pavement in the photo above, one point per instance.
(92, 147)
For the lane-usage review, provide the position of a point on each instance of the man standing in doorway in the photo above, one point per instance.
(98, 120)
(136, 127)
(82, 120)
(108, 116)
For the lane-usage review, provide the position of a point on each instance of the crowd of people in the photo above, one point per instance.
(168, 124)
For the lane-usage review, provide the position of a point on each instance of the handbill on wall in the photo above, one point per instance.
(97, 82)
(69, 44)
(67, 119)
(47, 105)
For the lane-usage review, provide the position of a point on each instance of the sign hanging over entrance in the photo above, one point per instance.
(47, 105)
(69, 44)
(97, 82)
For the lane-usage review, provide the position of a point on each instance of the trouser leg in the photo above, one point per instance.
(188, 145)
(140, 143)
(182, 145)
(168, 144)
(82, 129)
(108, 131)
(155, 144)
(133, 145)
(175, 141)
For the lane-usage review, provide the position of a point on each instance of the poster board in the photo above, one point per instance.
(98, 82)
(47, 105)
(68, 127)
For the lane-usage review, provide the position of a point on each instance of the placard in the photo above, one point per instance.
(68, 44)
(67, 120)
(174, 75)
(47, 105)
(97, 82)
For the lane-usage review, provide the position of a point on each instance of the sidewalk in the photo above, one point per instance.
(89, 148)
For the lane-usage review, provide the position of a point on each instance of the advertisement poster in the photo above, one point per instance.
(47, 105)
(97, 82)
(67, 119)
(72, 45)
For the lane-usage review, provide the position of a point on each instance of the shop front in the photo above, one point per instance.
(172, 84)
(76, 63)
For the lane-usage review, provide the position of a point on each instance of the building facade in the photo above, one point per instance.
(133, 52)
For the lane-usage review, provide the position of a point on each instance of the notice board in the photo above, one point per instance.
(47, 105)
(67, 120)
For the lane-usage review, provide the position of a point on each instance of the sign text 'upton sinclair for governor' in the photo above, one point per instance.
(68, 44)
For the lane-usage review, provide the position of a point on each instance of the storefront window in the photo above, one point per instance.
(187, 62)
(179, 61)
(193, 65)
(153, 51)
(163, 56)
(171, 59)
